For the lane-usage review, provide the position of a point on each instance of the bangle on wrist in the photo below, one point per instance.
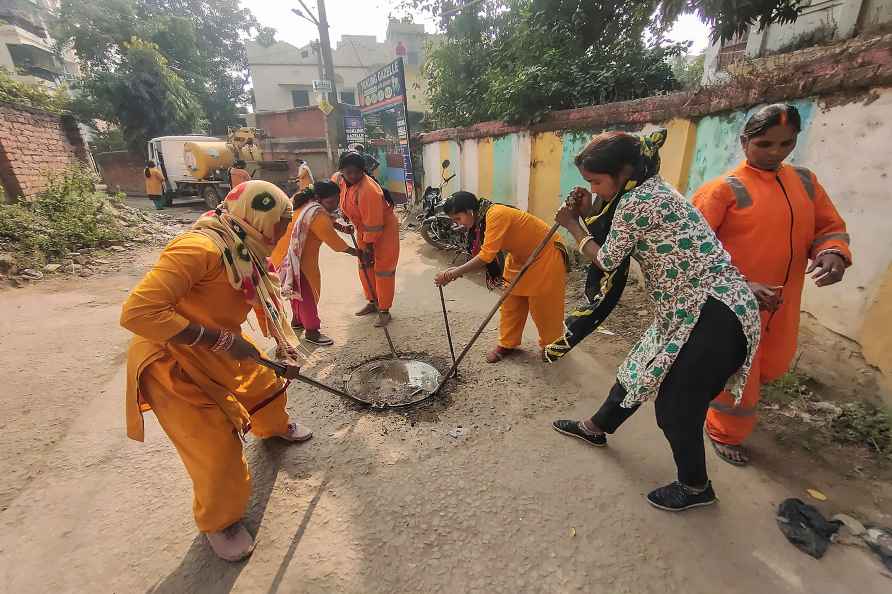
(224, 341)
(199, 337)
(583, 242)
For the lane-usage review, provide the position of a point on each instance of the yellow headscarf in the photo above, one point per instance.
(243, 227)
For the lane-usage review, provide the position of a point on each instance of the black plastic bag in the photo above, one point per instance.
(806, 527)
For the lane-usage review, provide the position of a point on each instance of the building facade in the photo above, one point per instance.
(283, 75)
(27, 51)
(821, 21)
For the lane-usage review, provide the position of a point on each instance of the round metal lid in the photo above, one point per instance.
(392, 382)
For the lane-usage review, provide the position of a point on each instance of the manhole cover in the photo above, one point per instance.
(393, 382)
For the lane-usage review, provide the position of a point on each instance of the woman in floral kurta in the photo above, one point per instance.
(706, 327)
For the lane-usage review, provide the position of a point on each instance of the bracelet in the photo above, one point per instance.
(224, 341)
(200, 336)
(583, 243)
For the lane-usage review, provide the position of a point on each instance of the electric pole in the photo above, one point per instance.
(335, 119)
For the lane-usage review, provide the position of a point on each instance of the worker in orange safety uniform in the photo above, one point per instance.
(364, 205)
(773, 218)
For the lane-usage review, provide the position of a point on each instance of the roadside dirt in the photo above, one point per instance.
(383, 502)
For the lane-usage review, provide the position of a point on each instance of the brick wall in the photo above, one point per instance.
(33, 143)
(122, 171)
(300, 122)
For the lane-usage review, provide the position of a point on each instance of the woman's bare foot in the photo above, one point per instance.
(498, 353)
(370, 308)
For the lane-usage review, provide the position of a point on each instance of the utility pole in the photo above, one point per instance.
(334, 120)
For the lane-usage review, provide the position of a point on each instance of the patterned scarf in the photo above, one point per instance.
(242, 226)
(604, 289)
(289, 271)
(476, 237)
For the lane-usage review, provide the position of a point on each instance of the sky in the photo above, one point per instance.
(369, 17)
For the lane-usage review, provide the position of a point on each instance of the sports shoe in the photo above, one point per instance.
(370, 308)
(678, 497)
(317, 338)
(573, 429)
(383, 319)
(233, 543)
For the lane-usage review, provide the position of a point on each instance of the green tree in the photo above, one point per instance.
(515, 60)
(688, 70)
(143, 96)
(201, 43)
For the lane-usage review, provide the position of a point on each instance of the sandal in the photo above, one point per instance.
(296, 433)
(498, 353)
(722, 451)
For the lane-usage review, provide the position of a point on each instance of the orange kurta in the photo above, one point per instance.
(321, 231)
(304, 176)
(376, 225)
(540, 293)
(238, 176)
(154, 182)
(771, 223)
(202, 399)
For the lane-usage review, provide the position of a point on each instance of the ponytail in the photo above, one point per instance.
(303, 197)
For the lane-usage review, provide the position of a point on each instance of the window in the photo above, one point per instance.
(733, 51)
(348, 97)
(412, 58)
(300, 98)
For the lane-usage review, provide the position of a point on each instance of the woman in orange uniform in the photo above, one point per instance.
(540, 293)
(377, 231)
(296, 257)
(154, 185)
(772, 218)
(190, 363)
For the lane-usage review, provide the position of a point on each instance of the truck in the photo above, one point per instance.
(198, 166)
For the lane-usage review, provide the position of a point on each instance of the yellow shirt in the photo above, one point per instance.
(154, 181)
(189, 284)
(519, 233)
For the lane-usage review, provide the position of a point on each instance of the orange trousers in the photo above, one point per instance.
(547, 311)
(729, 424)
(383, 274)
(206, 441)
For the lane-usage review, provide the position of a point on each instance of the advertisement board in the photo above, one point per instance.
(382, 101)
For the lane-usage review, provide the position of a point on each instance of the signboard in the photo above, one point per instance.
(322, 86)
(382, 101)
(325, 106)
(354, 127)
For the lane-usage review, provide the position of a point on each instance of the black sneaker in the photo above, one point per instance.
(573, 429)
(677, 497)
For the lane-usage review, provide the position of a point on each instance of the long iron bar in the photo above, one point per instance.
(448, 331)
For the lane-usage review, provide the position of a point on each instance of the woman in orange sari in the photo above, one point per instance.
(377, 234)
(191, 365)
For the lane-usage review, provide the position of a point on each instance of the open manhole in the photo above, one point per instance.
(392, 383)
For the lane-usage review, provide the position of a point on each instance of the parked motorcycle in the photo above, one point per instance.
(435, 226)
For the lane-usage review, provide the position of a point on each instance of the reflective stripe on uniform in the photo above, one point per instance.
(843, 237)
(375, 228)
(734, 411)
(807, 181)
(740, 192)
(385, 274)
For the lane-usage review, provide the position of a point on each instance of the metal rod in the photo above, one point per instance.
(281, 369)
(495, 308)
(448, 331)
(365, 272)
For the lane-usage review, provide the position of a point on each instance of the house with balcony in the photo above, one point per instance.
(27, 51)
(820, 22)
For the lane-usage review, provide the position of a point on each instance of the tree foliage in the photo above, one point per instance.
(28, 95)
(516, 60)
(192, 49)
